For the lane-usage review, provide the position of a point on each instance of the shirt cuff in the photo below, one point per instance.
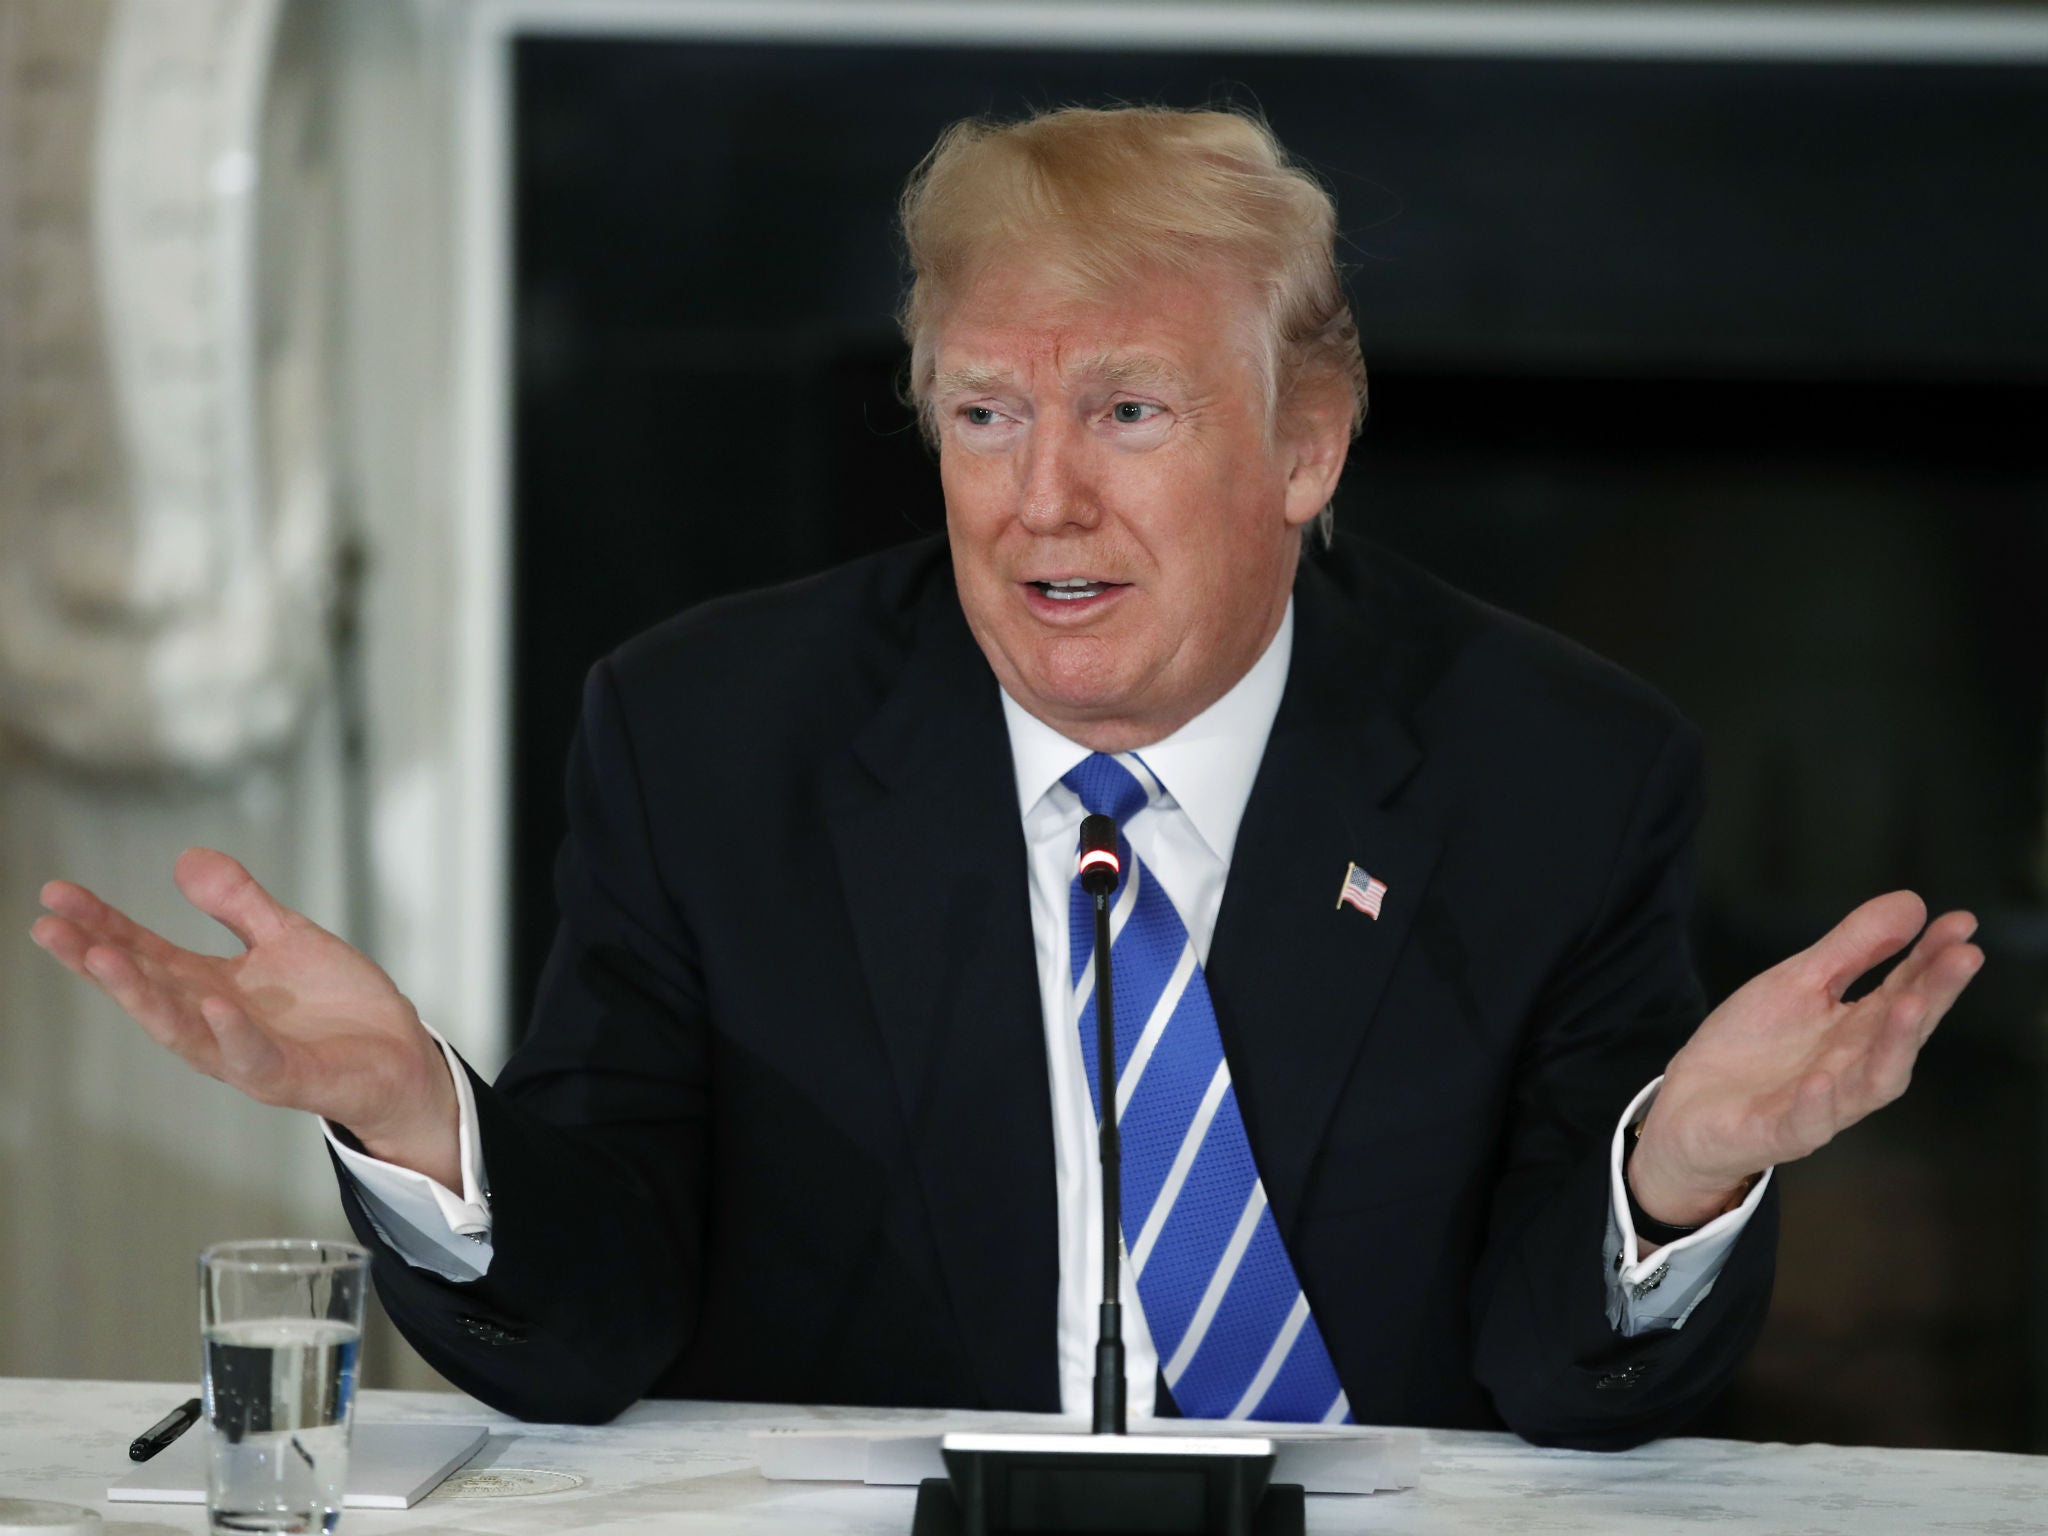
(459, 1226)
(1661, 1290)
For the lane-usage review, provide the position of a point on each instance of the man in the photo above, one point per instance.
(805, 1111)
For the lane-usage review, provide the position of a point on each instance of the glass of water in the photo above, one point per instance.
(281, 1321)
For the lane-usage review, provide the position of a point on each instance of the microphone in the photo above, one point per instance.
(1053, 1483)
(1100, 870)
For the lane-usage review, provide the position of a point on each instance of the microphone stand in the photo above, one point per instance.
(1109, 1483)
(1099, 880)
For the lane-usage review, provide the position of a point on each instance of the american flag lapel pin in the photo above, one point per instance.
(1362, 891)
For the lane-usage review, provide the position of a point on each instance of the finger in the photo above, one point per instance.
(1874, 932)
(249, 1058)
(1940, 936)
(102, 922)
(149, 1004)
(1883, 1072)
(63, 940)
(226, 892)
(69, 944)
(1942, 982)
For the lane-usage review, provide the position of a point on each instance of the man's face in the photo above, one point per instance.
(1124, 521)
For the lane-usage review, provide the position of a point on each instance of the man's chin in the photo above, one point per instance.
(1078, 675)
(1104, 714)
(1082, 686)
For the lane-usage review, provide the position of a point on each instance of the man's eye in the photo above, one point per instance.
(980, 415)
(1130, 413)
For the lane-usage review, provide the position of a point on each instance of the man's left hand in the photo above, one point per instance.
(1785, 1064)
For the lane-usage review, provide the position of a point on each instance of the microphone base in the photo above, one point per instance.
(1107, 1485)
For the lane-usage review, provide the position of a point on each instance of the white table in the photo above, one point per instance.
(674, 1467)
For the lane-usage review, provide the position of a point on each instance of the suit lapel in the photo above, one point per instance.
(931, 854)
(1296, 978)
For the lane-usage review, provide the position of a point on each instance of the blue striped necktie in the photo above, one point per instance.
(1232, 1327)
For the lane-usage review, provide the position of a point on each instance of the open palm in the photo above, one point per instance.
(300, 1018)
(1785, 1064)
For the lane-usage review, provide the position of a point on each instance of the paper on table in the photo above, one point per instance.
(1340, 1459)
(390, 1466)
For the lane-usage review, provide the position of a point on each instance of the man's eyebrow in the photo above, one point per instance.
(1130, 368)
(971, 380)
(1120, 369)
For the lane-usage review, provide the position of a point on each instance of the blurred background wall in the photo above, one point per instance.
(1714, 338)
(166, 609)
(223, 385)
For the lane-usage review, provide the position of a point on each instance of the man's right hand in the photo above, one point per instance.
(299, 1019)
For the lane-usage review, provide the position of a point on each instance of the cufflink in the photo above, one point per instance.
(1649, 1282)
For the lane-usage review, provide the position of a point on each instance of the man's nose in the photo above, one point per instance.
(1057, 489)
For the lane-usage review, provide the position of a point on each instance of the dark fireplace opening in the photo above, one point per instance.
(1732, 372)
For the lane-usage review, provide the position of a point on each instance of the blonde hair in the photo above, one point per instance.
(1100, 195)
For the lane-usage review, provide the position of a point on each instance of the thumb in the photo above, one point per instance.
(226, 892)
(1868, 936)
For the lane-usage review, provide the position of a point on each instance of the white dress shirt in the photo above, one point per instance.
(1185, 842)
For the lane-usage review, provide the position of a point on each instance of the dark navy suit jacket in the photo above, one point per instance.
(781, 1128)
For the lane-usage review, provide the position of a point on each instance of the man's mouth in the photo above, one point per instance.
(1074, 589)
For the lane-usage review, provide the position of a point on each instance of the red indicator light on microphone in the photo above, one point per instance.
(1100, 867)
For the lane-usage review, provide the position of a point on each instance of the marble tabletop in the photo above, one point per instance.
(684, 1466)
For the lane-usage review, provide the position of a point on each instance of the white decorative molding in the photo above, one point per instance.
(164, 544)
(429, 663)
(1867, 33)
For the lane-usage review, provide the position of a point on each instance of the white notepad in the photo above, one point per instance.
(390, 1466)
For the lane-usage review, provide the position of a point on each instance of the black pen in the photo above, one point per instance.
(164, 1430)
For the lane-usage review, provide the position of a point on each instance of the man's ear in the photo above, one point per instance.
(1315, 428)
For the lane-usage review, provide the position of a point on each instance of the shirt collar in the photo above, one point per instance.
(1207, 766)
